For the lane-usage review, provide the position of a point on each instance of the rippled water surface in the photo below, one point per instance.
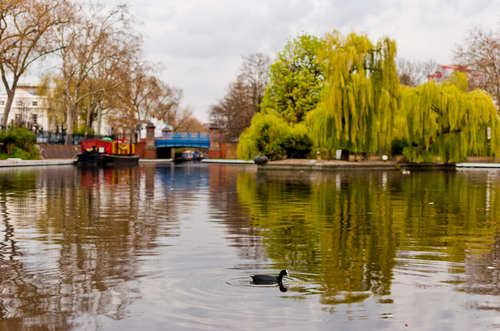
(172, 247)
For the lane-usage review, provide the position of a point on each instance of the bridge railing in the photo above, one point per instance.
(184, 139)
(194, 136)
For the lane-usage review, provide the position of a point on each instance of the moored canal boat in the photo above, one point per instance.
(107, 153)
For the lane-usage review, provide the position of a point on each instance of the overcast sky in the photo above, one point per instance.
(200, 42)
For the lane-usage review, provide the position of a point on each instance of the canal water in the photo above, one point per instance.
(166, 247)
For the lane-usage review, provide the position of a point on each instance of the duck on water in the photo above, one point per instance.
(269, 279)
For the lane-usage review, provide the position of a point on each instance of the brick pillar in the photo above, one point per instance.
(214, 150)
(150, 148)
(166, 130)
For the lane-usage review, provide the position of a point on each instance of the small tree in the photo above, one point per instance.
(296, 79)
(266, 135)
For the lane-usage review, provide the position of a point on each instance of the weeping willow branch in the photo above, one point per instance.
(361, 96)
(424, 145)
(446, 116)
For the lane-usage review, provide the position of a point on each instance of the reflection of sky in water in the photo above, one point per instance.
(172, 247)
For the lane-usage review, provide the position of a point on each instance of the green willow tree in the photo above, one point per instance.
(296, 79)
(360, 97)
(446, 120)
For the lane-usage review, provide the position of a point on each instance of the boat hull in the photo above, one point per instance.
(121, 160)
(90, 159)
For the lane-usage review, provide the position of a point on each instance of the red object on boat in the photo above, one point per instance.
(97, 143)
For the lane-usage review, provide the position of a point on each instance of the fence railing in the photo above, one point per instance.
(59, 138)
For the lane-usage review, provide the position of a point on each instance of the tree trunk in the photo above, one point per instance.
(99, 112)
(424, 145)
(70, 121)
(421, 148)
(88, 122)
(10, 99)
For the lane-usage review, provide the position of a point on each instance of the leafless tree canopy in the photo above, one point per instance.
(101, 71)
(95, 52)
(235, 111)
(143, 96)
(413, 73)
(26, 36)
(480, 52)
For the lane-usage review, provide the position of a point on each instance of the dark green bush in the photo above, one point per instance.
(19, 143)
(298, 147)
(398, 145)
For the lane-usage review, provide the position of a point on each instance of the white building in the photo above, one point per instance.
(27, 109)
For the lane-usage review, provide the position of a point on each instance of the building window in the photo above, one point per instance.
(2, 103)
(19, 103)
(34, 118)
(35, 103)
(19, 118)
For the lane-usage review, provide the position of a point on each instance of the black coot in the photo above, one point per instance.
(268, 279)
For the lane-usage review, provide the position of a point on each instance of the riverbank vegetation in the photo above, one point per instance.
(349, 93)
(18, 143)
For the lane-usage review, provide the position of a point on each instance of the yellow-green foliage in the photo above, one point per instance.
(449, 121)
(337, 226)
(298, 131)
(295, 79)
(360, 97)
(266, 131)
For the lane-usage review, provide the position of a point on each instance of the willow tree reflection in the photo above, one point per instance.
(350, 229)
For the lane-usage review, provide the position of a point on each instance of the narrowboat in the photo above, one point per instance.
(186, 156)
(107, 153)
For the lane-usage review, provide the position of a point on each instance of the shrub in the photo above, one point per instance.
(398, 145)
(266, 135)
(19, 143)
(298, 145)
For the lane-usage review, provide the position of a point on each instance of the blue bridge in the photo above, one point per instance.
(183, 139)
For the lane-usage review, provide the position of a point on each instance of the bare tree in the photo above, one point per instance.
(413, 73)
(97, 48)
(480, 53)
(164, 99)
(254, 73)
(143, 97)
(244, 96)
(179, 117)
(235, 111)
(52, 87)
(25, 37)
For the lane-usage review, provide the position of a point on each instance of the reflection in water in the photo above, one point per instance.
(353, 230)
(78, 215)
(150, 246)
